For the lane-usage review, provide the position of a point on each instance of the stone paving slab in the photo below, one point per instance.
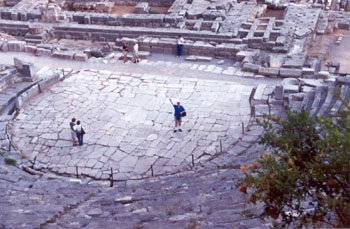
(129, 123)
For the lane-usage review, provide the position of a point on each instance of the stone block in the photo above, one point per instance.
(280, 41)
(30, 48)
(144, 54)
(249, 67)
(157, 49)
(14, 16)
(199, 58)
(236, 40)
(215, 27)
(259, 93)
(290, 85)
(169, 50)
(272, 72)
(4, 47)
(43, 52)
(344, 25)
(80, 56)
(280, 49)
(171, 19)
(145, 47)
(26, 69)
(181, 25)
(343, 80)
(243, 54)
(63, 55)
(87, 20)
(310, 82)
(308, 71)
(197, 26)
(301, 33)
(191, 58)
(16, 46)
(142, 8)
(288, 72)
(278, 92)
(323, 75)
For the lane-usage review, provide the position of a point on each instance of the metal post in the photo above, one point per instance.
(33, 162)
(242, 127)
(111, 178)
(76, 171)
(152, 170)
(192, 160)
(268, 103)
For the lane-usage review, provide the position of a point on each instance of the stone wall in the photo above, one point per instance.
(111, 33)
(14, 28)
(7, 76)
(162, 3)
(157, 41)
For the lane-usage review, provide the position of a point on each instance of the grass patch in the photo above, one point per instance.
(247, 213)
(10, 161)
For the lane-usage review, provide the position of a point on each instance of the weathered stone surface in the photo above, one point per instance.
(63, 54)
(323, 75)
(43, 52)
(279, 92)
(288, 72)
(80, 56)
(343, 80)
(251, 67)
(272, 72)
(16, 46)
(290, 85)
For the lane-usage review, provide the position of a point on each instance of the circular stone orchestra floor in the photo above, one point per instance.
(129, 123)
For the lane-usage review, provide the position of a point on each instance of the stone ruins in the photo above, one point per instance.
(291, 54)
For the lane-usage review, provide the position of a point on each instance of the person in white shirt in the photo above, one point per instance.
(73, 131)
(136, 52)
(80, 133)
(180, 44)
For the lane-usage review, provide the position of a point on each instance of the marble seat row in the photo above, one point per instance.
(326, 100)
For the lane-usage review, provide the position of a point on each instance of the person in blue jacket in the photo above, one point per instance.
(179, 111)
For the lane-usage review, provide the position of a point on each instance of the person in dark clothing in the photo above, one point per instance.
(80, 133)
(73, 131)
(125, 51)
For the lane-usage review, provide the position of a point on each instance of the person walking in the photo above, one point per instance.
(179, 111)
(80, 133)
(73, 129)
(180, 43)
(136, 52)
(125, 51)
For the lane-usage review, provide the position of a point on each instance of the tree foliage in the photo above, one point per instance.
(304, 180)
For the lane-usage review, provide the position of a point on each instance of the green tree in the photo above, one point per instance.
(304, 180)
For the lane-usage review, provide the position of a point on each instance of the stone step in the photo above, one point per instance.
(345, 94)
(176, 200)
(33, 41)
(320, 96)
(328, 103)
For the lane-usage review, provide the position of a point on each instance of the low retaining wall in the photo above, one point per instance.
(36, 89)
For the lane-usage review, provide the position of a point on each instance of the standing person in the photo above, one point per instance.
(73, 129)
(80, 133)
(125, 51)
(180, 44)
(178, 112)
(136, 52)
